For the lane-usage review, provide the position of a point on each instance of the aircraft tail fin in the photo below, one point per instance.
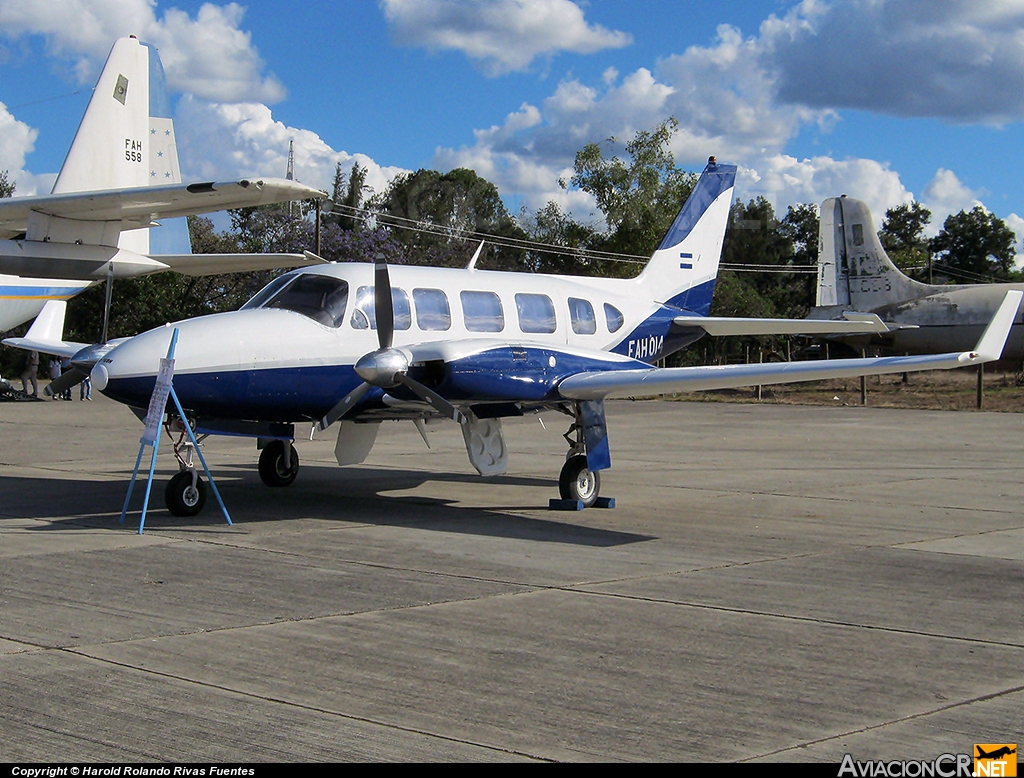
(126, 138)
(684, 267)
(854, 271)
(47, 332)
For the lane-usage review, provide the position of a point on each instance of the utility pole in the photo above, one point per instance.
(290, 174)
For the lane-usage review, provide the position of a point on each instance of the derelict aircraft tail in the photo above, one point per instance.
(854, 272)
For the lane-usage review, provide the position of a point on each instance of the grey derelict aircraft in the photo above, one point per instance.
(356, 344)
(120, 176)
(856, 276)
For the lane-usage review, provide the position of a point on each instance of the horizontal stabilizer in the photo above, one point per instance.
(603, 384)
(215, 264)
(993, 339)
(140, 207)
(47, 333)
(723, 325)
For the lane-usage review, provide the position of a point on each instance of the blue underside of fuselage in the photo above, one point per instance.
(501, 375)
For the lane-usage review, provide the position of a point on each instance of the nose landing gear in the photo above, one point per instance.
(185, 494)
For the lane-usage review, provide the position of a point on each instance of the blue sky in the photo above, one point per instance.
(884, 100)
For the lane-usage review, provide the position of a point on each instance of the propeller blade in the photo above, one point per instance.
(73, 377)
(343, 405)
(432, 397)
(382, 303)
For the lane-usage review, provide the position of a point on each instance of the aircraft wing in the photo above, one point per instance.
(723, 325)
(603, 384)
(215, 264)
(139, 207)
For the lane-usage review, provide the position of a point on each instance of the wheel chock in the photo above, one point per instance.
(564, 505)
(605, 502)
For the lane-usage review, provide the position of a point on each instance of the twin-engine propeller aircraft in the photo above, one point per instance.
(120, 176)
(355, 344)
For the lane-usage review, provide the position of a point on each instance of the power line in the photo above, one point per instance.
(505, 241)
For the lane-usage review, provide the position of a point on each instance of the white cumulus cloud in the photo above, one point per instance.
(502, 35)
(222, 141)
(209, 56)
(946, 194)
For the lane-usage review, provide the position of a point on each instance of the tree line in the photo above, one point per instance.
(431, 218)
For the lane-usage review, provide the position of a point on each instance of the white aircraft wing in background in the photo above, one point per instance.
(726, 325)
(140, 207)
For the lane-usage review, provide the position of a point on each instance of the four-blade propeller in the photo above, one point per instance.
(387, 367)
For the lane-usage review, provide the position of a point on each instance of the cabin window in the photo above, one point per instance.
(321, 298)
(432, 311)
(482, 311)
(364, 315)
(613, 316)
(536, 313)
(858, 234)
(581, 314)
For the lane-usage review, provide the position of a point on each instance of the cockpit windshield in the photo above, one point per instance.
(321, 298)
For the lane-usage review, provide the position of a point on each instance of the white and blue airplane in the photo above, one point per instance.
(356, 344)
(119, 178)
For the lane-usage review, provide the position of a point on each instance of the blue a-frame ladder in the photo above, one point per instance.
(151, 436)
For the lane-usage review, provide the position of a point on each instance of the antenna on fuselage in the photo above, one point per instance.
(476, 256)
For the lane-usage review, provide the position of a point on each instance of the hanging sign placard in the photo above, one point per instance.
(158, 402)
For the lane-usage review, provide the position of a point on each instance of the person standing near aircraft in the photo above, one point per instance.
(30, 374)
(65, 366)
(55, 374)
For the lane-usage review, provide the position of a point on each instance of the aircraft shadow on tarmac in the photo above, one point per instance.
(354, 498)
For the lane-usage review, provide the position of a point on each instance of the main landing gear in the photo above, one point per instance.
(279, 463)
(578, 485)
(576, 482)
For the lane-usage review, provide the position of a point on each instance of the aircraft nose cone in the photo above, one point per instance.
(381, 367)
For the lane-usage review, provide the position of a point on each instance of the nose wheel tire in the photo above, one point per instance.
(182, 498)
(577, 482)
(272, 465)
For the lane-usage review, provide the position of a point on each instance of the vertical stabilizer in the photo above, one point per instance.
(683, 269)
(854, 272)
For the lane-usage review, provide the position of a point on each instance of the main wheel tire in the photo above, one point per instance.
(182, 498)
(272, 469)
(577, 482)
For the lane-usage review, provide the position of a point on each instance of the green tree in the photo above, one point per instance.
(6, 187)
(902, 236)
(552, 225)
(640, 196)
(348, 194)
(434, 213)
(977, 244)
(756, 238)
